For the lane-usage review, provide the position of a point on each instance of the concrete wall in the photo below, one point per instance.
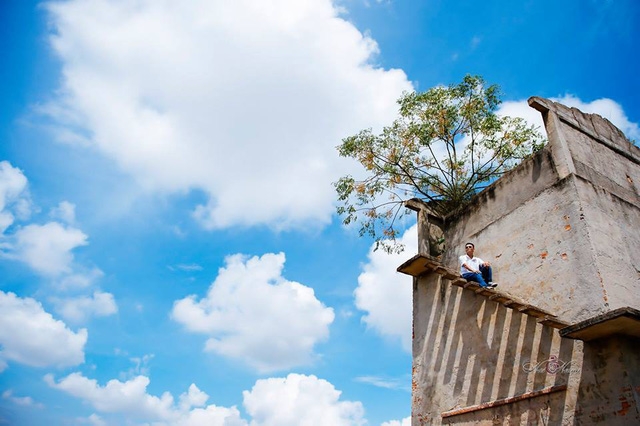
(472, 353)
(609, 383)
(468, 350)
(563, 233)
(535, 236)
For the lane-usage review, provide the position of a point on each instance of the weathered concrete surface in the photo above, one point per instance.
(563, 233)
(610, 383)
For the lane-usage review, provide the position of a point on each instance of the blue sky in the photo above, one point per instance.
(169, 251)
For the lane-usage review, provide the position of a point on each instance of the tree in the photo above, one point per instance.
(447, 144)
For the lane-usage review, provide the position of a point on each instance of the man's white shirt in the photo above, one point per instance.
(474, 262)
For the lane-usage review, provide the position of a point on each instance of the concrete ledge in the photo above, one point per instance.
(552, 321)
(504, 401)
(418, 265)
(625, 321)
(422, 264)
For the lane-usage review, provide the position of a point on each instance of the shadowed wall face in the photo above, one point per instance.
(469, 351)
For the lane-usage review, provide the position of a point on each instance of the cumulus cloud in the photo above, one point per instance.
(248, 313)
(607, 108)
(386, 295)
(131, 399)
(13, 186)
(300, 400)
(78, 309)
(193, 398)
(31, 336)
(244, 100)
(404, 422)
(47, 248)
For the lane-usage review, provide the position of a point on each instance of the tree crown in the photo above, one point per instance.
(447, 144)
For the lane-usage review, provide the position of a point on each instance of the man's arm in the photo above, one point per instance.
(469, 268)
(483, 263)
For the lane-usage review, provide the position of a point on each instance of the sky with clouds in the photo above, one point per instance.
(169, 248)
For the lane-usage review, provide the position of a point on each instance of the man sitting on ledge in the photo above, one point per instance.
(475, 269)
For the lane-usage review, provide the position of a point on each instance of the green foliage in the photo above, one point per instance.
(446, 145)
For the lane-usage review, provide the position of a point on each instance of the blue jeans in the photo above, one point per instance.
(484, 277)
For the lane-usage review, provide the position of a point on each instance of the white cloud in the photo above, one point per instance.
(385, 382)
(190, 267)
(96, 420)
(65, 211)
(300, 400)
(13, 186)
(293, 400)
(116, 397)
(80, 278)
(140, 367)
(31, 336)
(211, 415)
(244, 100)
(131, 399)
(193, 398)
(386, 294)
(404, 422)
(248, 313)
(78, 309)
(47, 248)
(607, 108)
(25, 401)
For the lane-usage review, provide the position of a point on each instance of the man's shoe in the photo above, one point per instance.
(492, 284)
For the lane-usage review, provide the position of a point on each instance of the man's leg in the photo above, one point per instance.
(486, 272)
(475, 277)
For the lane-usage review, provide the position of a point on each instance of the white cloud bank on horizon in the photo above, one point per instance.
(288, 401)
(243, 100)
(131, 399)
(386, 295)
(29, 335)
(248, 313)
